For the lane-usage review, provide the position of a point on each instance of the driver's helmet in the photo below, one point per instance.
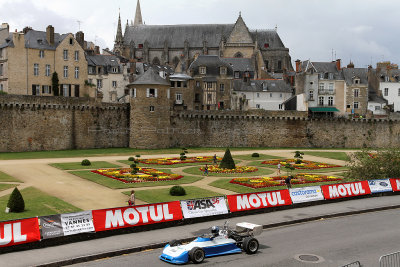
(215, 230)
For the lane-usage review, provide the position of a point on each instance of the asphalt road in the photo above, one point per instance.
(335, 242)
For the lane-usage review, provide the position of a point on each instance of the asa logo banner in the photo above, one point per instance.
(109, 219)
(204, 207)
(260, 200)
(379, 186)
(346, 190)
(19, 232)
(306, 194)
(395, 184)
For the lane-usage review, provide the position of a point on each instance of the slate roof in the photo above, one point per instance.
(37, 40)
(102, 60)
(150, 77)
(240, 64)
(209, 61)
(262, 86)
(323, 67)
(267, 36)
(350, 73)
(8, 42)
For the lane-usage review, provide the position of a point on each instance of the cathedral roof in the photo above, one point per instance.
(150, 77)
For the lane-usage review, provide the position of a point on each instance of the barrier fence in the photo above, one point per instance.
(44, 227)
(390, 260)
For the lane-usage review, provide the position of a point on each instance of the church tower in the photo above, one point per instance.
(138, 15)
(119, 39)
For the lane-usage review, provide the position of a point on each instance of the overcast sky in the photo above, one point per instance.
(364, 31)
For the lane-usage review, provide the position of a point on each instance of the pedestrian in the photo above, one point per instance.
(279, 168)
(288, 181)
(206, 170)
(215, 159)
(131, 200)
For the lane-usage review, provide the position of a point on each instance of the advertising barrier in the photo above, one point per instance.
(334, 191)
(395, 182)
(50, 226)
(204, 207)
(379, 186)
(306, 194)
(260, 200)
(109, 219)
(19, 232)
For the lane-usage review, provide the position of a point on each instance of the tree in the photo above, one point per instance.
(55, 84)
(298, 156)
(367, 165)
(16, 202)
(227, 161)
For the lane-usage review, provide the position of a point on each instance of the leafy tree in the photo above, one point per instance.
(367, 165)
(55, 84)
(298, 156)
(227, 161)
(16, 202)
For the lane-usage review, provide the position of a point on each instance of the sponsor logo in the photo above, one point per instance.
(305, 192)
(202, 204)
(50, 224)
(384, 184)
(343, 190)
(259, 200)
(11, 232)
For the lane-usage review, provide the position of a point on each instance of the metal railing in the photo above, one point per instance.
(390, 260)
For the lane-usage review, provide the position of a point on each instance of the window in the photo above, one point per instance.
(134, 92)
(140, 45)
(65, 90)
(152, 108)
(258, 106)
(178, 97)
(270, 95)
(266, 45)
(92, 70)
(99, 83)
(151, 92)
(65, 54)
(311, 95)
(1, 87)
(36, 69)
(197, 84)
(321, 86)
(357, 81)
(330, 76)
(377, 107)
(356, 92)
(202, 70)
(258, 95)
(209, 97)
(348, 106)
(76, 55)
(330, 87)
(185, 84)
(114, 84)
(280, 106)
(46, 89)
(178, 84)
(71, 41)
(65, 71)
(279, 65)
(321, 75)
(197, 98)
(1, 69)
(35, 89)
(76, 72)
(209, 85)
(222, 70)
(237, 75)
(355, 105)
(222, 87)
(398, 92)
(114, 70)
(386, 92)
(47, 70)
(280, 95)
(41, 53)
(330, 101)
(321, 100)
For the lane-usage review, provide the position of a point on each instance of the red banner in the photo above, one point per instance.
(395, 184)
(260, 200)
(109, 219)
(334, 191)
(19, 232)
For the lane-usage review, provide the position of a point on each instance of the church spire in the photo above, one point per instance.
(118, 38)
(138, 15)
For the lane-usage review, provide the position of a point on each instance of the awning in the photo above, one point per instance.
(324, 109)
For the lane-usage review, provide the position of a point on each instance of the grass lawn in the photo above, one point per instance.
(6, 186)
(115, 184)
(162, 195)
(78, 166)
(329, 155)
(225, 184)
(262, 157)
(37, 203)
(162, 166)
(4, 177)
(261, 171)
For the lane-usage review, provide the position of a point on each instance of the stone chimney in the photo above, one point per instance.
(50, 34)
(338, 66)
(5, 26)
(97, 50)
(26, 29)
(80, 38)
(298, 62)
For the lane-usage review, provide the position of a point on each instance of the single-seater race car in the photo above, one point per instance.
(220, 242)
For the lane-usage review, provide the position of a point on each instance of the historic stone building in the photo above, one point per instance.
(180, 44)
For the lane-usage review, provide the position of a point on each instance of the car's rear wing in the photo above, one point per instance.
(255, 229)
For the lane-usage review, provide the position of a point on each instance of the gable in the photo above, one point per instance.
(240, 33)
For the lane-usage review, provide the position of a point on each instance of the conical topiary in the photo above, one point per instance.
(16, 203)
(227, 161)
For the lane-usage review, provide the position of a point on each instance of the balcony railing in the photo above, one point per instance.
(326, 92)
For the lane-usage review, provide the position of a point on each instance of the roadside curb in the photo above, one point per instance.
(116, 253)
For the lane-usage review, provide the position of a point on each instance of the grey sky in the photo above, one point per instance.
(362, 30)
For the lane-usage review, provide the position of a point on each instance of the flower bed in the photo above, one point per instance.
(143, 175)
(172, 161)
(238, 169)
(301, 178)
(305, 165)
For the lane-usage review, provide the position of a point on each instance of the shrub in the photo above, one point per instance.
(177, 190)
(16, 202)
(255, 155)
(134, 167)
(227, 161)
(138, 156)
(86, 162)
(131, 159)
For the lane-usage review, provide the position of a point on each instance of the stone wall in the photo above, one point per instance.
(30, 123)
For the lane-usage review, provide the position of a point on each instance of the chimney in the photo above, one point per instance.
(26, 29)
(338, 64)
(80, 38)
(97, 50)
(50, 34)
(5, 26)
(298, 65)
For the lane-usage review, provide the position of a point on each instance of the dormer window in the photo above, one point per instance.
(71, 41)
(321, 75)
(330, 76)
(202, 70)
(237, 75)
(140, 46)
(356, 81)
(266, 45)
(222, 70)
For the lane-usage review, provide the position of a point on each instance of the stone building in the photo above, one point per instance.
(180, 44)
(356, 90)
(29, 58)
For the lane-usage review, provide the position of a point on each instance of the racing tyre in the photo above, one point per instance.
(174, 243)
(250, 245)
(196, 255)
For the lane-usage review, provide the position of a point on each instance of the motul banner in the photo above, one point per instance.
(204, 207)
(260, 200)
(395, 184)
(19, 232)
(109, 219)
(334, 191)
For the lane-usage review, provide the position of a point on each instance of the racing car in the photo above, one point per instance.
(220, 242)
